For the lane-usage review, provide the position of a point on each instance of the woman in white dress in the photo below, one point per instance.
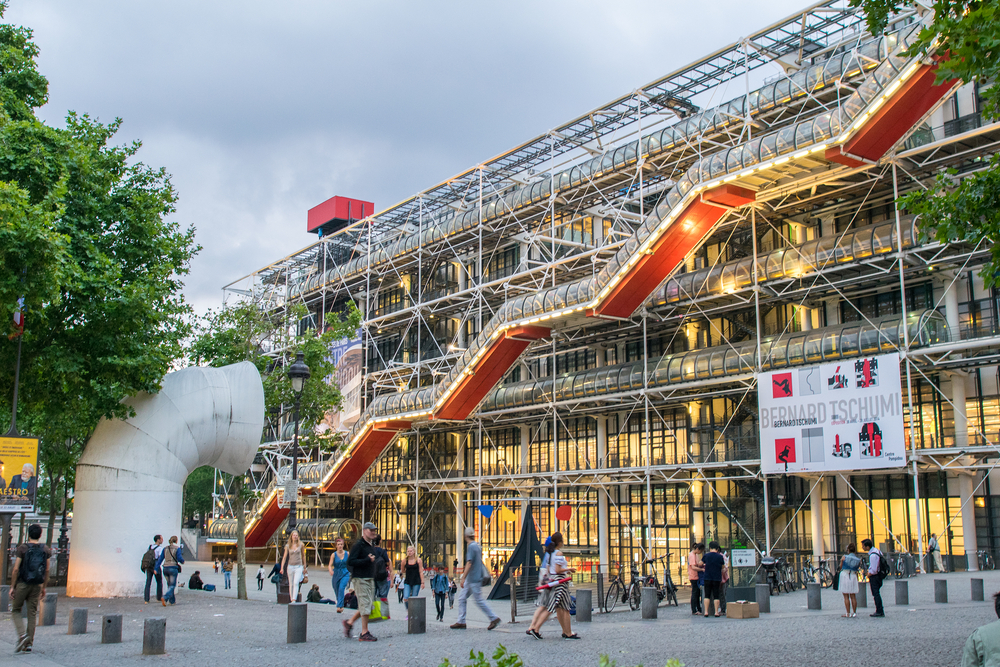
(849, 565)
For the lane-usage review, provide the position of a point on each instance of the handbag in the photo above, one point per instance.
(836, 580)
(275, 578)
(487, 580)
(305, 576)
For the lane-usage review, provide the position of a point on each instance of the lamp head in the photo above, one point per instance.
(298, 372)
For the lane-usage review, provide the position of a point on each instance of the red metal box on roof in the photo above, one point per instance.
(337, 212)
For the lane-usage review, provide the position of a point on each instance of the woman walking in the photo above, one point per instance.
(695, 568)
(169, 564)
(338, 570)
(849, 565)
(412, 571)
(715, 565)
(293, 564)
(559, 599)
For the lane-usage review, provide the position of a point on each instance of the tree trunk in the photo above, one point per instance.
(53, 483)
(241, 541)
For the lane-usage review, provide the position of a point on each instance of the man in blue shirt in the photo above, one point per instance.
(874, 579)
(472, 582)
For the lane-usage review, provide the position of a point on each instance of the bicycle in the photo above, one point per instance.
(777, 574)
(616, 590)
(985, 560)
(619, 591)
(810, 572)
(668, 590)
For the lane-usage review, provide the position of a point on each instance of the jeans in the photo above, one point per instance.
(695, 597)
(150, 574)
(875, 583)
(474, 588)
(340, 580)
(28, 594)
(170, 574)
(294, 573)
(400, 591)
(451, 598)
(260, 583)
(410, 591)
(439, 604)
(227, 575)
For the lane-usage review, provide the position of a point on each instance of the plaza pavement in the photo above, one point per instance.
(218, 630)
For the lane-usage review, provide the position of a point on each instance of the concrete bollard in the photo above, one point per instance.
(862, 596)
(584, 605)
(111, 629)
(78, 621)
(814, 597)
(297, 623)
(48, 612)
(649, 603)
(764, 598)
(902, 592)
(977, 590)
(941, 591)
(154, 636)
(416, 617)
(4, 598)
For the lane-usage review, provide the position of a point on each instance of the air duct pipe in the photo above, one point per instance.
(130, 479)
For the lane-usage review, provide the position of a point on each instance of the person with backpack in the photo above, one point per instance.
(440, 584)
(878, 570)
(848, 584)
(362, 564)
(383, 566)
(30, 576)
(148, 565)
(260, 577)
(170, 562)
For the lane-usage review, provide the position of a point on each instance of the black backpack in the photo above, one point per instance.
(381, 574)
(883, 566)
(33, 565)
(148, 559)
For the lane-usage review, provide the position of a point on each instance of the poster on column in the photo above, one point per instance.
(846, 415)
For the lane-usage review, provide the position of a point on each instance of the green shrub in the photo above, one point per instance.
(505, 658)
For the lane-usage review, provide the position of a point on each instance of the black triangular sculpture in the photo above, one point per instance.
(527, 555)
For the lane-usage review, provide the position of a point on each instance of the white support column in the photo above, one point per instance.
(603, 520)
(463, 284)
(805, 318)
(459, 532)
(966, 489)
(697, 516)
(816, 513)
(950, 287)
(958, 399)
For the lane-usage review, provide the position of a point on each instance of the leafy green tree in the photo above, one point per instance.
(198, 491)
(245, 332)
(965, 37)
(85, 241)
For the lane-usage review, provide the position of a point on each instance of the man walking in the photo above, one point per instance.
(934, 554)
(439, 584)
(875, 575)
(30, 576)
(362, 564)
(150, 565)
(472, 582)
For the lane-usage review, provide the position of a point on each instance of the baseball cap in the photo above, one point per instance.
(369, 526)
(470, 532)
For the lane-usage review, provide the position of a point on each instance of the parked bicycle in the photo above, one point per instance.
(777, 574)
(810, 573)
(986, 560)
(668, 590)
(619, 591)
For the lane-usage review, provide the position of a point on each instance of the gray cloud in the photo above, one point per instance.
(262, 110)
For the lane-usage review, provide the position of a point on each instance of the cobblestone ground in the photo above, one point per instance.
(216, 629)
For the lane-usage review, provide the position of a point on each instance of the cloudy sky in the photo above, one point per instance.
(261, 110)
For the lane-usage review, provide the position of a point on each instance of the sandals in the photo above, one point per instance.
(534, 633)
(572, 636)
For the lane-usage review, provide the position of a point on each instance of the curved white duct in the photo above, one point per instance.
(130, 479)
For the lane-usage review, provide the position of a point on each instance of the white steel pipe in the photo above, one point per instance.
(130, 479)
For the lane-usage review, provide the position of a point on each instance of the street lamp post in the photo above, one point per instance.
(298, 373)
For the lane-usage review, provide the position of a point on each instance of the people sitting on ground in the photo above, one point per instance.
(350, 599)
(315, 596)
(195, 583)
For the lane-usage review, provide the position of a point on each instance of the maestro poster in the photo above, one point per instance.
(846, 415)
(18, 474)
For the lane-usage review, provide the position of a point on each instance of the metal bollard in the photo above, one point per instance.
(111, 629)
(4, 598)
(814, 598)
(763, 598)
(649, 603)
(977, 590)
(584, 605)
(941, 591)
(862, 596)
(416, 617)
(154, 636)
(297, 621)
(78, 621)
(902, 592)
(48, 612)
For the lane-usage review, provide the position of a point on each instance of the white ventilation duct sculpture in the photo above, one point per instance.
(130, 479)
